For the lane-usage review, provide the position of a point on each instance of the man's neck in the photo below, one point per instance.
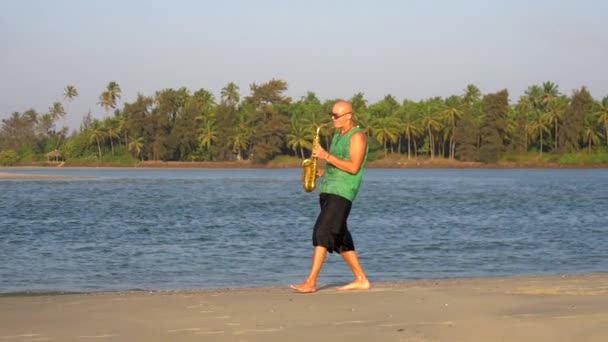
(347, 128)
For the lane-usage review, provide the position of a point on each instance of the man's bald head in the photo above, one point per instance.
(342, 107)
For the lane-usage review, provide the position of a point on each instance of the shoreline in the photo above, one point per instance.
(322, 287)
(24, 176)
(378, 164)
(522, 308)
(15, 176)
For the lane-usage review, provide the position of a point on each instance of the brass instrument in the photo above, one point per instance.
(309, 167)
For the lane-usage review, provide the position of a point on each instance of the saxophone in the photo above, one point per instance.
(309, 167)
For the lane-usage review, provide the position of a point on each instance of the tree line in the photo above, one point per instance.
(184, 125)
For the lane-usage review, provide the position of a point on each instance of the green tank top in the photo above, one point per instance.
(336, 181)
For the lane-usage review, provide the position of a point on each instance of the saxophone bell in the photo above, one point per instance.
(309, 167)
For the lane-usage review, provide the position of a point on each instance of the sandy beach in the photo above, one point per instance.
(544, 308)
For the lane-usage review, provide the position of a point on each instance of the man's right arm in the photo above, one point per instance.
(358, 145)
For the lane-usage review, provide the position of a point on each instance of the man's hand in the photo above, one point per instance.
(319, 152)
(320, 172)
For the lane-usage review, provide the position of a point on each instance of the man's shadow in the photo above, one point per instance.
(330, 286)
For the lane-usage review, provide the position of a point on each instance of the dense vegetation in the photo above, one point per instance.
(181, 125)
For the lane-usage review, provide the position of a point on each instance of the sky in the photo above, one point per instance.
(410, 49)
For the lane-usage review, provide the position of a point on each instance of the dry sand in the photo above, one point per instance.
(547, 308)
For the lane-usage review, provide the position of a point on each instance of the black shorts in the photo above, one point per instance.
(330, 229)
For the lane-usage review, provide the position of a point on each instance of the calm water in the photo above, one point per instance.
(184, 229)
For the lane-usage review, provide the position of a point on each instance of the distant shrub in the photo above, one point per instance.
(285, 159)
(553, 157)
(528, 157)
(78, 147)
(120, 160)
(28, 154)
(597, 156)
(509, 157)
(8, 158)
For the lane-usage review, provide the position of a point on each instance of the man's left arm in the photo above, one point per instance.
(358, 144)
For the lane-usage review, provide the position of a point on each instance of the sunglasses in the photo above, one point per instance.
(337, 116)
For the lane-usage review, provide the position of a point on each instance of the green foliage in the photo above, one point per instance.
(493, 128)
(8, 158)
(177, 124)
(466, 138)
(120, 159)
(598, 156)
(374, 149)
(528, 157)
(285, 159)
(29, 154)
(83, 160)
(573, 120)
(76, 147)
(110, 96)
(519, 134)
(270, 125)
(425, 148)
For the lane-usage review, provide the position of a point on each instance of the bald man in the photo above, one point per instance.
(339, 187)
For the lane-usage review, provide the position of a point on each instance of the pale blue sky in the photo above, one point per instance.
(410, 49)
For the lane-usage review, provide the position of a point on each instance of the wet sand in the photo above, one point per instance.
(17, 176)
(545, 308)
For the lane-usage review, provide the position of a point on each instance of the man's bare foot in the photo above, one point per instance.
(305, 287)
(358, 284)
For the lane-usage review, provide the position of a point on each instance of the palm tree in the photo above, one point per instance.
(97, 134)
(114, 89)
(382, 120)
(137, 145)
(555, 108)
(105, 101)
(511, 125)
(70, 93)
(450, 114)
(122, 127)
(230, 94)
(386, 131)
(241, 139)
(547, 102)
(112, 131)
(471, 94)
(110, 96)
(208, 134)
(300, 137)
(602, 116)
(391, 104)
(537, 127)
(310, 111)
(535, 96)
(365, 120)
(412, 131)
(431, 124)
(590, 135)
(57, 111)
(524, 108)
(359, 103)
(550, 92)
